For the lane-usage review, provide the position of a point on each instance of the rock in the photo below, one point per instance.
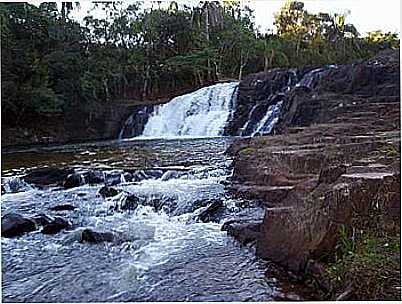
(330, 174)
(13, 224)
(129, 203)
(3, 190)
(93, 177)
(41, 220)
(153, 174)
(245, 231)
(107, 191)
(55, 226)
(208, 213)
(128, 177)
(94, 237)
(64, 207)
(48, 176)
(73, 180)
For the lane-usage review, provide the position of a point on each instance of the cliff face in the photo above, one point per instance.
(335, 164)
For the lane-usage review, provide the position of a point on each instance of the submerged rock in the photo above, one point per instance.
(94, 237)
(13, 224)
(73, 180)
(107, 191)
(55, 226)
(64, 207)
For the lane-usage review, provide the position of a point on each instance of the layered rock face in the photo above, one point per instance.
(335, 162)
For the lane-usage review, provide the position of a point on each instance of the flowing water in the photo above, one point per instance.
(169, 246)
(165, 254)
(201, 113)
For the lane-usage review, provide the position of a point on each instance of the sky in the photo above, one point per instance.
(366, 15)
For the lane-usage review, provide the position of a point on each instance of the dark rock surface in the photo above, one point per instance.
(336, 160)
(48, 176)
(130, 202)
(107, 191)
(13, 224)
(55, 226)
(94, 237)
(63, 207)
(73, 180)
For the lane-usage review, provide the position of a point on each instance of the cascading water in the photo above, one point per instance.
(202, 113)
(163, 228)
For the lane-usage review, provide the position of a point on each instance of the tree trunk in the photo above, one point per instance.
(207, 37)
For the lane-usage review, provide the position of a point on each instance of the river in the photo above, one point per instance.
(165, 254)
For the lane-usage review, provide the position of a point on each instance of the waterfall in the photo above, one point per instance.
(202, 113)
(207, 111)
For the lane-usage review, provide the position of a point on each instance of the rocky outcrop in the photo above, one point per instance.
(48, 176)
(335, 163)
(55, 225)
(13, 224)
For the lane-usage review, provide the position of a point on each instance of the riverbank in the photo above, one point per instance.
(330, 181)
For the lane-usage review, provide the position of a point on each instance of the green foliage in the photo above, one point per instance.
(52, 63)
(372, 268)
(247, 150)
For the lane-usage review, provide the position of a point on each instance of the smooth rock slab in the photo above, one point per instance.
(13, 224)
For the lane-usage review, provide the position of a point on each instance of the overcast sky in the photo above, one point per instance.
(366, 15)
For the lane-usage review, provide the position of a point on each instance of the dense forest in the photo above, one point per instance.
(50, 62)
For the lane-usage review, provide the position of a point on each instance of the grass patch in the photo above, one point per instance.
(370, 264)
(247, 150)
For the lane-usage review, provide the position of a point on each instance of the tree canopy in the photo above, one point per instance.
(52, 63)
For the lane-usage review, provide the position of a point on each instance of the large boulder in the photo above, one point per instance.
(73, 180)
(48, 176)
(94, 237)
(13, 224)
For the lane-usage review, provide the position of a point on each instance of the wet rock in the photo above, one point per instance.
(64, 207)
(129, 203)
(209, 212)
(94, 177)
(94, 237)
(41, 220)
(128, 177)
(55, 226)
(73, 180)
(245, 231)
(3, 190)
(13, 224)
(48, 176)
(153, 174)
(107, 191)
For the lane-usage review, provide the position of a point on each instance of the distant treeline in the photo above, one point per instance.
(51, 63)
